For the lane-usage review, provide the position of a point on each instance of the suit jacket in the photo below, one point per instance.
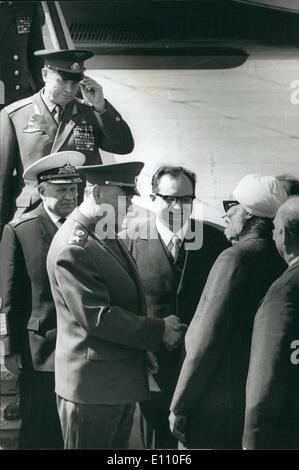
(211, 386)
(20, 36)
(167, 290)
(102, 327)
(25, 290)
(28, 132)
(272, 399)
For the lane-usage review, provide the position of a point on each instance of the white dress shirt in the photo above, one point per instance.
(166, 234)
(54, 217)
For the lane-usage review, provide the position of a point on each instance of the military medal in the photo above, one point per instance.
(84, 136)
(23, 24)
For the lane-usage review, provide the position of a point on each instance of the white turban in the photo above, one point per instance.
(260, 195)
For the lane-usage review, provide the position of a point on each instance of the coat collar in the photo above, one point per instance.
(148, 232)
(115, 248)
(48, 228)
(41, 114)
(293, 266)
(65, 126)
(88, 222)
(254, 235)
(112, 246)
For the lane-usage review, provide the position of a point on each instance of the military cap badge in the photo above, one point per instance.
(75, 67)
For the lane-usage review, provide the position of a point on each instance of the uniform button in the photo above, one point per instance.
(17, 72)
(16, 57)
(18, 87)
(117, 118)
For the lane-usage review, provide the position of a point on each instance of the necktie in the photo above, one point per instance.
(62, 220)
(174, 246)
(57, 113)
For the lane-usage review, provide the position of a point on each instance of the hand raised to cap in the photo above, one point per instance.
(92, 93)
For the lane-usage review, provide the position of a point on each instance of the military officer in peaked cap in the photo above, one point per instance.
(20, 36)
(54, 120)
(28, 322)
(103, 331)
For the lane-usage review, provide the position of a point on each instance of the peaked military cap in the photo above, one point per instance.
(69, 63)
(57, 168)
(123, 175)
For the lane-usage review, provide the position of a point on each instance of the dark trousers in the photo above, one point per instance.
(40, 426)
(95, 426)
(155, 413)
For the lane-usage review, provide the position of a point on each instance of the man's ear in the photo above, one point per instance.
(41, 189)
(45, 74)
(248, 215)
(96, 191)
(286, 236)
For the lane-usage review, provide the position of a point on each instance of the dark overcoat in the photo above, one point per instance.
(103, 332)
(25, 290)
(211, 387)
(272, 399)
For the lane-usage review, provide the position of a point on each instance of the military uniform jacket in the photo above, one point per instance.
(272, 401)
(211, 386)
(25, 290)
(29, 132)
(171, 291)
(20, 36)
(102, 327)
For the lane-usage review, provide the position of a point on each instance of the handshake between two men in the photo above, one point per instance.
(174, 332)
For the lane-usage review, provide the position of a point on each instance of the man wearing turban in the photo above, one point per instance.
(207, 409)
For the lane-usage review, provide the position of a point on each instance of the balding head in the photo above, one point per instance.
(286, 232)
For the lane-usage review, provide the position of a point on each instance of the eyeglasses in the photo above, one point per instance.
(170, 200)
(228, 204)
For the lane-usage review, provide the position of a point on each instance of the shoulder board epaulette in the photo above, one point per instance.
(11, 108)
(22, 218)
(78, 236)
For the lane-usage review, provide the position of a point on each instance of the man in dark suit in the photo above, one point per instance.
(272, 402)
(209, 400)
(103, 331)
(20, 36)
(172, 280)
(54, 120)
(29, 324)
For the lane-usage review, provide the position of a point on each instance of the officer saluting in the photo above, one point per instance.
(54, 120)
(20, 36)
